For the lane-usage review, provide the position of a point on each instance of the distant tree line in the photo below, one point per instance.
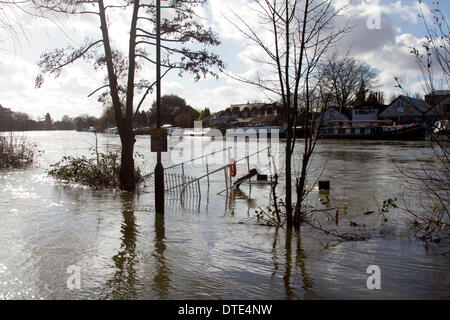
(19, 121)
(174, 111)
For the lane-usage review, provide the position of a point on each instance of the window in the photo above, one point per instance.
(400, 107)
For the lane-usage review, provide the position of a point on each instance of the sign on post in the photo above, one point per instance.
(158, 140)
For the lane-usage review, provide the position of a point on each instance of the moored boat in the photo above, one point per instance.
(412, 131)
(374, 129)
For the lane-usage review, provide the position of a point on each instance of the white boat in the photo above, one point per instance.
(112, 130)
(192, 132)
(440, 131)
(175, 131)
(266, 131)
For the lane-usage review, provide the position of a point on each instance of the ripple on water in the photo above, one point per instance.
(124, 252)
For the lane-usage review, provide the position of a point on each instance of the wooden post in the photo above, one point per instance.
(207, 169)
(248, 168)
(226, 177)
(182, 172)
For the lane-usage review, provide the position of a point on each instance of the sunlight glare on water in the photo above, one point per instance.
(212, 248)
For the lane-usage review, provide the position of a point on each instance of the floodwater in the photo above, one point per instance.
(212, 246)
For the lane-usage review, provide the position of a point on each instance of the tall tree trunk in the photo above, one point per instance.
(287, 111)
(124, 124)
(127, 173)
(288, 174)
(300, 189)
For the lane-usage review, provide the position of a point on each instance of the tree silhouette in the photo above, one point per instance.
(121, 84)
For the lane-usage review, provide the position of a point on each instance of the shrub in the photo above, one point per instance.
(100, 172)
(16, 152)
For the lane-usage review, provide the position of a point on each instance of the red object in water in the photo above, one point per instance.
(233, 168)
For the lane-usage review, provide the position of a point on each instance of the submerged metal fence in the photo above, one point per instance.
(181, 187)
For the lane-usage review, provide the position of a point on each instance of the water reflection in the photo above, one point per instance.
(125, 283)
(294, 262)
(300, 262)
(288, 264)
(128, 253)
(161, 280)
(238, 194)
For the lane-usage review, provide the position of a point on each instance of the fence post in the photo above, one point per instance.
(182, 172)
(182, 195)
(207, 169)
(226, 177)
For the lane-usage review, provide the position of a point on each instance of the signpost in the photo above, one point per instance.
(159, 135)
(159, 170)
(159, 140)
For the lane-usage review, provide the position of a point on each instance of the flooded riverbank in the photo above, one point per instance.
(212, 248)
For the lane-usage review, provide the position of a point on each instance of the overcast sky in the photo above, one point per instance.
(386, 48)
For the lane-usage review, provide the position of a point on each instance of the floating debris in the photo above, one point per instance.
(324, 185)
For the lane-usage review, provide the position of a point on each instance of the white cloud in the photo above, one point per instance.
(387, 49)
(223, 11)
(64, 95)
(402, 10)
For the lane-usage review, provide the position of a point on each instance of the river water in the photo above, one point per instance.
(212, 246)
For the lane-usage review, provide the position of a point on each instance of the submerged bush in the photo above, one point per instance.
(100, 172)
(16, 152)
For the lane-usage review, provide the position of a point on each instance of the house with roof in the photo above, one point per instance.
(331, 116)
(366, 111)
(441, 108)
(406, 110)
(248, 115)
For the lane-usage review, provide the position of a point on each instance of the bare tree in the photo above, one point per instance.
(429, 185)
(344, 76)
(11, 22)
(314, 102)
(434, 57)
(294, 37)
(428, 192)
(122, 67)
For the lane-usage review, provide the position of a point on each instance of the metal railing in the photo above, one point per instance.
(173, 176)
(224, 168)
(180, 164)
(182, 186)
